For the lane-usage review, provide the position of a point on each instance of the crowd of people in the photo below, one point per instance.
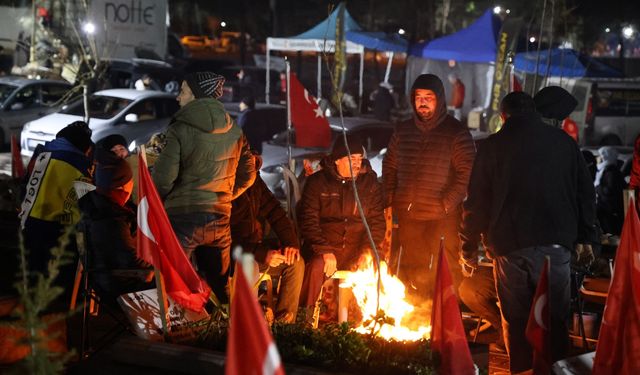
(499, 208)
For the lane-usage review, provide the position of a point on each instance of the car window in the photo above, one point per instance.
(52, 93)
(26, 97)
(145, 110)
(5, 91)
(100, 107)
(617, 102)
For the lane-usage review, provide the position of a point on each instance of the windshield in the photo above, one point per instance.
(5, 92)
(100, 107)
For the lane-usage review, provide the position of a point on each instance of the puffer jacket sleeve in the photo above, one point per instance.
(271, 210)
(167, 167)
(462, 156)
(390, 170)
(310, 223)
(246, 170)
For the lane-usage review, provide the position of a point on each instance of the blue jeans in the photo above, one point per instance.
(208, 237)
(517, 275)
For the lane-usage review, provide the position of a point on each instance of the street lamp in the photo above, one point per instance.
(532, 39)
(401, 31)
(607, 30)
(497, 9)
(223, 24)
(628, 32)
(89, 28)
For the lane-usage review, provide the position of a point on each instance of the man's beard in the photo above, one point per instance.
(425, 116)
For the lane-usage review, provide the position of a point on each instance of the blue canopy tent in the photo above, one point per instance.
(474, 51)
(320, 38)
(380, 41)
(563, 63)
(476, 43)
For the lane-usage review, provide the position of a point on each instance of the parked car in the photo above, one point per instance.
(608, 111)
(23, 100)
(123, 73)
(136, 115)
(373, 133)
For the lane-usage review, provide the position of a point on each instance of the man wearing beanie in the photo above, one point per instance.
(111, 228)
(50, 205)
(205, 164)
(330, 222)
(425, 174)
(555, 104)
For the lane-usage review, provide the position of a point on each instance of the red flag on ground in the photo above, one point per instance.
(312, 128)
(17, 166)
(539, 324)
(250, 347)
(157, 244)
(447, 333)
(618, 350)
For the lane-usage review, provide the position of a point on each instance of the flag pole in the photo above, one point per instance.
(162, 293)
(289, 159)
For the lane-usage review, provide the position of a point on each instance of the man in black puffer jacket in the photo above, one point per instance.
(330, 224)
(425, 175)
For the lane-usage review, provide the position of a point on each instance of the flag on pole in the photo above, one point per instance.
(539, 323)
(618, 349)
(250, 347)
(312, 128)
(157, 244)
(447, 333)
(17, 166)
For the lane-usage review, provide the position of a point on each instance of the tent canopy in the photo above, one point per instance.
(379, 41)
(565, 63)
(476, 43)
(327, 28)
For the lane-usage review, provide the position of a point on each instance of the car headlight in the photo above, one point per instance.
(132, 146)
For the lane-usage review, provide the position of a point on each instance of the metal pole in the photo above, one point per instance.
(32, 48)
(360, 89)
(546, 73)
(289, 125)
(388, 71)
(535, 77)
(267, 80)
(319, 82)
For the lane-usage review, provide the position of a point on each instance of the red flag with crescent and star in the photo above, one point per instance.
(537, 331)
(312, 128)
(618, 350)
(250, 347)
(447, 334)
(158, 245)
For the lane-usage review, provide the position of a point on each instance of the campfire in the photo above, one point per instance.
(399, 322)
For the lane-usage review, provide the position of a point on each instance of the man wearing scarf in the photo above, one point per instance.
(425, 175)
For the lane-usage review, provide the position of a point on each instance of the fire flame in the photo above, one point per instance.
(363, 284)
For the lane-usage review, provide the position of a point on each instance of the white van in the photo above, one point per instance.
(608, 111)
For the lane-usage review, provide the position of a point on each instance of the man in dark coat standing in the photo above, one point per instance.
(530, 196)
(425, 174)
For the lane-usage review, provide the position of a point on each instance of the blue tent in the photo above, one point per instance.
(564, 62)
(379, 41)
(327, 28)
(476, 43)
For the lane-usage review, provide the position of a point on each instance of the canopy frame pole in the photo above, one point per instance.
(267, 86)
(387, 73)
(360, 88)
(319, 80)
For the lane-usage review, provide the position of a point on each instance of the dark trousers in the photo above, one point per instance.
(314, 277)
(207, 236)
(290, 285)
(418, 257)
(478, 293)
(517, 275)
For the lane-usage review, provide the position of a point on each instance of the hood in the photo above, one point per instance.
(433, 83)
(50, 125)
(555, 103)
(609, 155)
(207, 115)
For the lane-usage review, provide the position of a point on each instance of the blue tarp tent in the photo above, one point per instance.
(379, 41)
(327, 28)
(565, 63)
(476, 43)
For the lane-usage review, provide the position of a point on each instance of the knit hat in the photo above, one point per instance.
(339, 150)
(554, 102)
(78, 134)
(205, 84)
(112, 140)
(112, 172)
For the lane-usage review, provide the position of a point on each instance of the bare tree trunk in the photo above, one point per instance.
(446, 7)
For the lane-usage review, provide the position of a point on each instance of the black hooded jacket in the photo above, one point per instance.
(427, 165)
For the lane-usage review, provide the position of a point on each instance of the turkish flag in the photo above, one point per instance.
(618, 350)
(17, 166)
(157, 244)
(538, 326)
(515, 84)
(250, 347)
(447, 333)
(570, 127)
(312, 128)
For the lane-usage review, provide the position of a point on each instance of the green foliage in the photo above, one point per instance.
(36, 293)
(336, 347)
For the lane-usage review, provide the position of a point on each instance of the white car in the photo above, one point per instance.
(23, 99)
(136, 115)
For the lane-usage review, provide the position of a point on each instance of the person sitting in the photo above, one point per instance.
(331, 226)
(280, 257)
(111, 227)
(609, 185)
(114, 143)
